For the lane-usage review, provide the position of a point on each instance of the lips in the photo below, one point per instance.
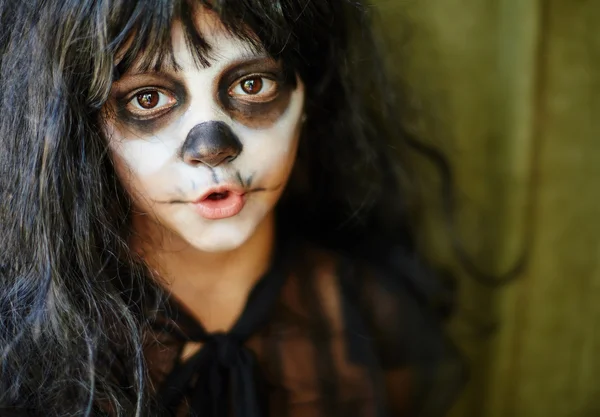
(220, 203)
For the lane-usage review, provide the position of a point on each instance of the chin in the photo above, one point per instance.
(219, 237)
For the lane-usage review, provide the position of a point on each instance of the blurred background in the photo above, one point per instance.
(509, 90)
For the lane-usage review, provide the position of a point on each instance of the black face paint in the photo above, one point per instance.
(240, 179)
(247, 183)
(210, 143)
(215, 178)
(147, 125)
(249, 180)
(252, 111)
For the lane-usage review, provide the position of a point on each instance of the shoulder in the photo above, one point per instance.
(377, 273)
(400, 306)
(387, 286)
(379, 306)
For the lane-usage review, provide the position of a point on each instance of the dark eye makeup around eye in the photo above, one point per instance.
(126, 91)
(149, 112)
(261, 96)
(251, 110)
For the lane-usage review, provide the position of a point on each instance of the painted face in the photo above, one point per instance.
(205, 152)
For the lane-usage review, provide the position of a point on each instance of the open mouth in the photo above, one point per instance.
(218, 196)
(220, 204)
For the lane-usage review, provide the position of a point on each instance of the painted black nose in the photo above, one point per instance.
(211, 143)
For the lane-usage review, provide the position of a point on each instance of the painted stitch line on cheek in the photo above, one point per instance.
(247, 183)
(193, 185)
(213, 173)
(249, 180)
(239, 178)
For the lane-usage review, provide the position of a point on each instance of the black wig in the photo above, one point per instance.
(72, 295)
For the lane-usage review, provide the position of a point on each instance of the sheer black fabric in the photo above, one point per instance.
(321, 335)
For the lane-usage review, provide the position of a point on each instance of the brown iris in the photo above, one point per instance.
(148, 99)
(252, 85)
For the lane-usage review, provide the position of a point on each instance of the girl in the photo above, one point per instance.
(205, 212)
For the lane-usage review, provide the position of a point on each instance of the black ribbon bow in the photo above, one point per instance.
(222, 373)
(219, 380)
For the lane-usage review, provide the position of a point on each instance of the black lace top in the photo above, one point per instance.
(321, 335)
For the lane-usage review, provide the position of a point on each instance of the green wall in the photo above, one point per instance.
(510, 90)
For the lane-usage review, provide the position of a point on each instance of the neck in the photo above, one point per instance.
(212, 286)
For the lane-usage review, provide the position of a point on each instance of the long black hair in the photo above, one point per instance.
(73, 298)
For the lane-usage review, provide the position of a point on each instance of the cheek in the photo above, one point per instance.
(145, 159)
(274, 147)
(140, 164)
(270, 151)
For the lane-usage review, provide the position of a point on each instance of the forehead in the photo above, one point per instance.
(221, 44)
(198, 40)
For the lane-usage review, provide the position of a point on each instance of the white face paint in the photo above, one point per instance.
(150, 115)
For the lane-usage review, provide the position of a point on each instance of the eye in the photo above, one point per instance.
(252, 86)
(148, 99)
(150, 102)
(254, 89)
